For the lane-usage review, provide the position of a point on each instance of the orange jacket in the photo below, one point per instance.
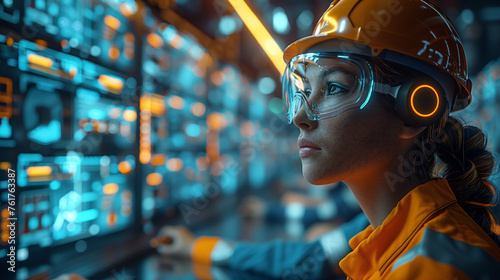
(426, 236)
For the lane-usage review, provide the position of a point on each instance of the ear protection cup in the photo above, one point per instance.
(421, 101)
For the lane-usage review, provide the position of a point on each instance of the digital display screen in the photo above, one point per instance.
(111, 118)
(69, 119)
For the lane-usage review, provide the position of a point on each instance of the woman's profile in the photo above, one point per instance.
(371, 92)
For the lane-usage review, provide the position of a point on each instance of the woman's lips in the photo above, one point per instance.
(307, 148)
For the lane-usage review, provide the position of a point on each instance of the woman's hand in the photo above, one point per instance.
(174, 241)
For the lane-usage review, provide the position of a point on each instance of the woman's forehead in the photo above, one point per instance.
(320, 72)
(324, 66)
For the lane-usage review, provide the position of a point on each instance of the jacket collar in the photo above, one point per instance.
(375, 249)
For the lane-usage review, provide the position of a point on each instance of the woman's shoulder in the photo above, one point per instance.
(455, 224)
(452, 244)
(448, 251)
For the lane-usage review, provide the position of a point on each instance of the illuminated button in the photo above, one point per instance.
(5, 213)
(126, 10)
(175, 164)
(177, 42)
(193, 130)
(5, 165)
(102, 127)
(39, 171)
(129, 115)
(217, 78)
(125, 130)
(198, 109)
(420, 97)
(176, 102)
(33, 223)
(158, 160)
(110, 188)
(113, 128)
(144, 156)
(111, 82)
(10, 42)
(129, 38)
(129, 53)
(113, 53)
(124, 167)
(216, 121)
(199, 71)
(112, 22)
(114, 113)
(46, 220)
(154, 179)
(155, 40)
(95, 50)
(41, 44)
(40, 60)
(206, 60)
(126, 196)
(157, 105)
(112, 219)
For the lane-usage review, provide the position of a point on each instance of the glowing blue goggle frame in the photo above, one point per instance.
(328, 84)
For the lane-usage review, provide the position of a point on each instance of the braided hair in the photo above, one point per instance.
(452, 150)
(467, 165)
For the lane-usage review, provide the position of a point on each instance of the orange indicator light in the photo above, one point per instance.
(40, 60)
(154, 179)
(110, 82)
(39, 171)
(112, 22)
(110, 188)
(412, 97)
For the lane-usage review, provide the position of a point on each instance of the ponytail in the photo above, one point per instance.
(466, 165)
(462, 158)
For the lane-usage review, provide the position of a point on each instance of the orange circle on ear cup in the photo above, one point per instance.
(413, 104)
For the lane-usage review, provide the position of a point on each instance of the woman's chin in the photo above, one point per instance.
(317, 179)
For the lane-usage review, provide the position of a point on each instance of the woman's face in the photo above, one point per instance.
(355, 144)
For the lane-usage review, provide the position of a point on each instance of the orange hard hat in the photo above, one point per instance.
(413, 33)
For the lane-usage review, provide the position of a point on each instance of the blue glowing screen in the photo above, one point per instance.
(111, 118)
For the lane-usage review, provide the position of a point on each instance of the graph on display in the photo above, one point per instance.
(87, 195)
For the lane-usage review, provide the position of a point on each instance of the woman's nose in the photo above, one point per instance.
(302, 121)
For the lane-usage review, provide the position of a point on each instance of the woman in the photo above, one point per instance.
(371, 91)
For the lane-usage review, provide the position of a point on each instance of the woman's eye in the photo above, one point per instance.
(334, 88)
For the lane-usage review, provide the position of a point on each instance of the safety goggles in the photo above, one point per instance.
(326, 85)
